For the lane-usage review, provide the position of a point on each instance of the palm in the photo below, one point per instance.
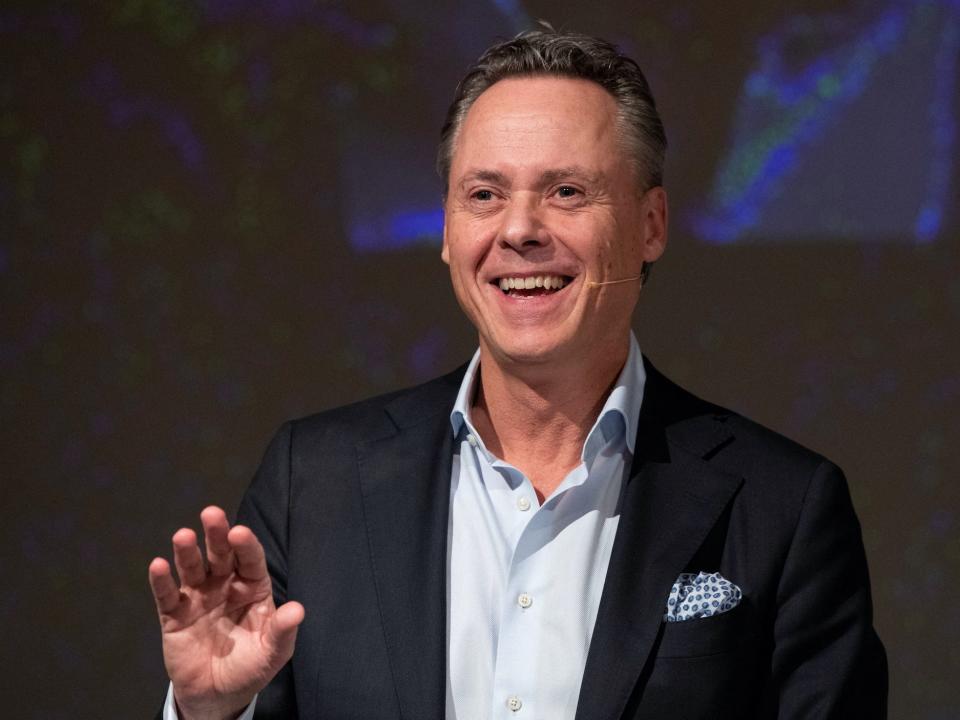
(223, 638)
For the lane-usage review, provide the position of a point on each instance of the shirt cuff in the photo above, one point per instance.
(170, 707)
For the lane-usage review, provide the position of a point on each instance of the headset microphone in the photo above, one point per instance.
(612, 282)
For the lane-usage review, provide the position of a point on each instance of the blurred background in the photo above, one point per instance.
(215, 216)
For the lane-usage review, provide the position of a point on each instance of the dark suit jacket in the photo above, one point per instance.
(351, 506)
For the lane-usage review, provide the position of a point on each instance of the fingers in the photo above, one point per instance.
(250, 561)
(166, 594)
(187, 557)
(228, 550)
(280, 633)
(219, 553)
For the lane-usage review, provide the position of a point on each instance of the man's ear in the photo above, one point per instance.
(445, 250)
(655, 220)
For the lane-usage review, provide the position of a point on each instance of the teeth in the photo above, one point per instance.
(548, 282)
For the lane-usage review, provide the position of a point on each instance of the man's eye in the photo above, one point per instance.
(483, 195)
(567, 191)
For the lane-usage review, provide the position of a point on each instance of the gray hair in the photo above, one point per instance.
(548, 52)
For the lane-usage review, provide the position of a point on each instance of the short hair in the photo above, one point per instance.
(548, 52)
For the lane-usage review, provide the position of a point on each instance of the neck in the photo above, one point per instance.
(537, 417)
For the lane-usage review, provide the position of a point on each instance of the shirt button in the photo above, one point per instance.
(523, 503)
(524, 600)
(472, 440)
(514, 703)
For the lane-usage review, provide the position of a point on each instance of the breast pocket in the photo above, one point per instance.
(706, 636)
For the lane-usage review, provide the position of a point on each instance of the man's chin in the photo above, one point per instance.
(528, 352)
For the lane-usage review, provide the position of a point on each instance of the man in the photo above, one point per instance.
(557, 531)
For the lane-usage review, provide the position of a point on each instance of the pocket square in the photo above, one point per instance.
(700, 595)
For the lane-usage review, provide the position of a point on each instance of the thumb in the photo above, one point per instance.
(280, 632)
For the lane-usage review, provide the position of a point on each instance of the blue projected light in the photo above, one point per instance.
(856, 143)
(402, 229)
(845, 128)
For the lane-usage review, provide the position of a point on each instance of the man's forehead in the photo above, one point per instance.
(547, 128)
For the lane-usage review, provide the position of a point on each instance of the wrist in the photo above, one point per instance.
(209, 711)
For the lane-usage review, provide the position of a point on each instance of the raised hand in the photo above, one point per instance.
(223, 637)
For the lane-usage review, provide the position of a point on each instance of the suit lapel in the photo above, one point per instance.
(669, 505)
(405, 484)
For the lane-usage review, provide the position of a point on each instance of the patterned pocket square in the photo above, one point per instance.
(701, 595)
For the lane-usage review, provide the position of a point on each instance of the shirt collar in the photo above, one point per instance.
(618, 417)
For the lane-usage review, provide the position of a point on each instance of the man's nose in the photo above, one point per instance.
(522, 227)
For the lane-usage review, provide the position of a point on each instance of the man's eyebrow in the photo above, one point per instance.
(569, 173)
(494, 177)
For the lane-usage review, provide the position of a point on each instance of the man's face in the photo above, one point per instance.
(542, 191)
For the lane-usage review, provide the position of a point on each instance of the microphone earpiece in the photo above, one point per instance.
(612, 282)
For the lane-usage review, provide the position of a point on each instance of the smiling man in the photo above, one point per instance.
(547, 232)
(555, 530)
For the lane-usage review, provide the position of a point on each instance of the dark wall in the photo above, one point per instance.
(218, 215)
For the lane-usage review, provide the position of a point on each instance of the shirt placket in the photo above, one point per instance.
(526, 598)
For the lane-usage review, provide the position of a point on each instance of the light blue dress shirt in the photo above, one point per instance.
(525, 579)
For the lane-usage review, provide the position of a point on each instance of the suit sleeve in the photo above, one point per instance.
(827, 659)
(265, 510)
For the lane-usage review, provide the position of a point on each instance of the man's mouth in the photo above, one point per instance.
(532, 285)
